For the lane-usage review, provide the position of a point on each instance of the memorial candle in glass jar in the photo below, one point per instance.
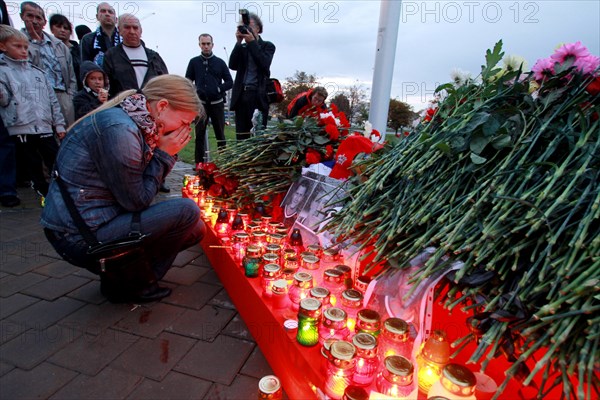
(340, 368)
(309, 316)
(300, 289)
(333, 325)
(366, 359)
(396, 378)
(271, 272)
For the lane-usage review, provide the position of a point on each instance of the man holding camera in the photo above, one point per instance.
(251, 59)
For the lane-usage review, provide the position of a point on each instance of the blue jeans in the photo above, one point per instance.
(8, 163)
(172, 226)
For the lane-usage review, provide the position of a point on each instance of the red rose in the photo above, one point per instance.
(210, 167)
(230, 185)
(312, 156)
(215, 190)
(332, 131)
(220, 179)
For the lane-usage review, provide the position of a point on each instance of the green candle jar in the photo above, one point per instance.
(309, 315)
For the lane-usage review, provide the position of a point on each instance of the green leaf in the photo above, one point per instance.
(320, 139)
(501, 142)
(458, 143)
(477, 120)
(284, 156)
(490, 127)
(478, 143)
(477, 159)
(446, 86)
(492, 58)
(443, 146)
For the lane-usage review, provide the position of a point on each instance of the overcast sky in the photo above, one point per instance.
(336, 40)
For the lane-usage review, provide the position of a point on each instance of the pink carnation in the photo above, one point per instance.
(568, 51)
(588, 64)
(543, 67)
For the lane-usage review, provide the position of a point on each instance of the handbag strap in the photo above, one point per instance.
(88, 236)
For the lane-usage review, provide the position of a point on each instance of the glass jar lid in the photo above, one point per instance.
(398, 365)
(302, 277)
(458, 379)
(319, 292)
(310, 258)
(269, 384)
(332, 275)
(342, 350)
(368, 316)
(395, 326)
(279, 286)
(310, 304)
(259, 235)
(364, 341)
(335, 314)
(253, 250)
(271, 258)
(352, 295)
(272, 269)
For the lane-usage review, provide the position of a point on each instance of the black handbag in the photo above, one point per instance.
(123, 264)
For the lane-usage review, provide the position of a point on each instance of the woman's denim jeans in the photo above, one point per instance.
(172, 226)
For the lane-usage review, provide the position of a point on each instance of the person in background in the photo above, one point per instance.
(251, 59)
(213, 80)
(112, 163)
(28, 107)
(95, 44)
(8, 160)
(62, 29)
(52, 56)
(81, 31)
(130, 64)
(95, 89)
(309, 103)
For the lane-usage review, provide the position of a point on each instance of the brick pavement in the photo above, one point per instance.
(60, 339)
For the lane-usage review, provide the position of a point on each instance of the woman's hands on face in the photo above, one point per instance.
(172, 142)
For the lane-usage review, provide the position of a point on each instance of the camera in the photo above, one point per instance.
(245, 28)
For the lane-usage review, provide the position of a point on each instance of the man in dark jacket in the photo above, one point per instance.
(95, 44)
(252, 60)
(95, 89)
(213, 80)
(130, 65)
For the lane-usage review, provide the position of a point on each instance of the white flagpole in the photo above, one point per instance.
(387, 38)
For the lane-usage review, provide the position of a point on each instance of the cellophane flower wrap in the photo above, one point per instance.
(502, 173)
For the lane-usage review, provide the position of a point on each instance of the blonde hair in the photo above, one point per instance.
(180, 92)
(8, 32)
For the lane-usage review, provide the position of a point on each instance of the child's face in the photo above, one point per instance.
(95, 81)
(15, 48)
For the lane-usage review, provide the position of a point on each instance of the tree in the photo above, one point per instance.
(400, 114)
(356, 96)
(294, 85)
(342, 103)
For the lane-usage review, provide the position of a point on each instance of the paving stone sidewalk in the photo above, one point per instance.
(60, 339)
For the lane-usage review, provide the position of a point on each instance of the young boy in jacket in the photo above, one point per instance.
(29, 107)
(95, 89)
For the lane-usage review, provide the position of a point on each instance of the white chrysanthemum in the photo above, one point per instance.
(460, 77)
(513, 63)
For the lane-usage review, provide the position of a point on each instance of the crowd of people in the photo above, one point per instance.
(96, 125)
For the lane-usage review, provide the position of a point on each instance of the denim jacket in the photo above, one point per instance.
(101, 161)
